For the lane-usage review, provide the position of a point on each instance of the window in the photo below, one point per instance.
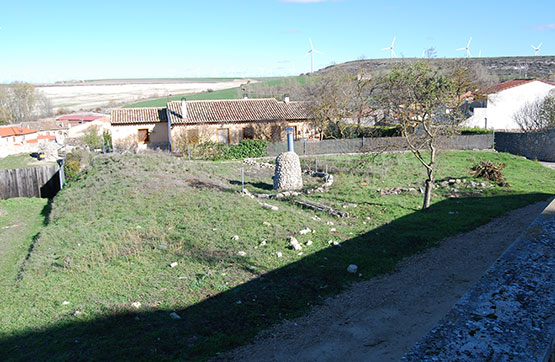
(144, 135)
(248, 133)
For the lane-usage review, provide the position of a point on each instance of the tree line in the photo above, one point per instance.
(22, 102)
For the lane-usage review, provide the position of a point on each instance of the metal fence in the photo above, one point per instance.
(43, 181)
(377, 144)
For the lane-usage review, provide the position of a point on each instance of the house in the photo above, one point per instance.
(495, 106)
(224, 121)
(17, 136)
(49, 129)
(76, 119)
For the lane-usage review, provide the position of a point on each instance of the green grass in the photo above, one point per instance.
(21, 160)
(99, 250)
(257, 91)
(21, 220)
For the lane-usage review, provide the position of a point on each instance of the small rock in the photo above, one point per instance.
(308, 243)
(241, 253)
(330, 223)
(235, 237)
(65, 302)
(269, 207)
(174, 315)
(138, 227)
(333, 229)
(267, 223)
(295, 243)
(279, 254)
(263, 243)
(137, 305)
(76, 313)
(214, 229)
(305, 231)
(161, 247)
(316, 218)
(300, 253)
(173, 265)
(336, 243)
(352, 268)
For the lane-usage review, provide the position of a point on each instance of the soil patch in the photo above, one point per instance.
(382, 318)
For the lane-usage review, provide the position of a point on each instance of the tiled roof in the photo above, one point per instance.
(15, 131)
(511, 84)
(138, 115)
(236, 110)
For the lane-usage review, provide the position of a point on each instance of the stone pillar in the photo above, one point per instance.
(288, 175)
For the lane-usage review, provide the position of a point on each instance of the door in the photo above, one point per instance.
(223, 135)
(276, 133)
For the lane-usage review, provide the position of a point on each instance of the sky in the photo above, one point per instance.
(48, 41)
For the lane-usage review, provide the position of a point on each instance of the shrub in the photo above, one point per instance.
(490, 171)
(352, 131)
(471, 131)
(245, 149)
(72, 165)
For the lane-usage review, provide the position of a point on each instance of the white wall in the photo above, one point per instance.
(501, 106)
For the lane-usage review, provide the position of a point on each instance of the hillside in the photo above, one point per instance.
(504, 67)
(99, 281)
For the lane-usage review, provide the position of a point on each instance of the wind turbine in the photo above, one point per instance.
(468, 55)
(311, 52)
(392, 54)
(536, 49)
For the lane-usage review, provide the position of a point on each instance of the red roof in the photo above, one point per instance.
(79, 118)
(15, 131)
(511, 84)
(46, 137)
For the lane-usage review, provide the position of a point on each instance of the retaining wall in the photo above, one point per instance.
(378, 144)
(508, 314)
(534, 145)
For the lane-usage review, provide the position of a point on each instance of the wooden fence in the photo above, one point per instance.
(43, 181)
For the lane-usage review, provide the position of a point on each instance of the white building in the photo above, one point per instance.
(503, 100)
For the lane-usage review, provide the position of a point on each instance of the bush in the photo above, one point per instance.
(72, 165)
(352, 131)
(245, 149)
(471, 131)
(490, 171)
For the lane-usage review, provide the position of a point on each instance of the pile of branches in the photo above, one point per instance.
(490, 171)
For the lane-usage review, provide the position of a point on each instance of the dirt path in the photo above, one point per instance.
(381, 319)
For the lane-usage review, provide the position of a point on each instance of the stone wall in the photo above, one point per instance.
(533, 145)
(508, 314)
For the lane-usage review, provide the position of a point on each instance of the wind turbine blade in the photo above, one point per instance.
(311, 47)
(461, 49)
(393, 42)
(533, 47)
(317, 51)
(469, 41)
(539, 46)
(468, 54)
(393, 53)
(386, 48)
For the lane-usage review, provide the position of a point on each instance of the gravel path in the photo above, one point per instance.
(382, 318)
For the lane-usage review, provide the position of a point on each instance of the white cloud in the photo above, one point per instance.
(544, 27)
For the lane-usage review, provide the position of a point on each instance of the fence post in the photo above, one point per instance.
(188, 152)
(304, 146)
(362, 141)
(315, 165)
(242, 179)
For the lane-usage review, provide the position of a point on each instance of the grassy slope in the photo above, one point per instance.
(100, 252)
(230, 93)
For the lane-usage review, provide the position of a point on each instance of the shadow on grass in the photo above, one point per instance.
(220, 323)
(257, 185)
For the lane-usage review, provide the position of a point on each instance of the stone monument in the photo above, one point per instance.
(288, 174)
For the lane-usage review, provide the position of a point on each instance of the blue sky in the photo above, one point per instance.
(47, 41)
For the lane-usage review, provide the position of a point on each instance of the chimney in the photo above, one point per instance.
(184, 108)
(286, 98)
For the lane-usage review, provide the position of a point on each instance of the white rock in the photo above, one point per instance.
(76, 313)
(305, 231)
(263, 243)
(330, 223)
(267, 223)
(333, 229)
(316, 218)
(173, 265)
(241, 253)
(300, 253)
(279, 254)
(336, 243)
(174, 315)
(295, 243)
(136, 305)
(235, 237)
(352, 268)
(65, 302)
(308, 243)
(269, 207)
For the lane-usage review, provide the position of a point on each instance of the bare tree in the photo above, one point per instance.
(537, 115)
(424, 102)
(20, 101)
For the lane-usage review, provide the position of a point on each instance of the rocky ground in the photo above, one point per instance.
(382, 318)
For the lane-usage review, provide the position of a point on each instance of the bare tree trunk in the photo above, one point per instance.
(430, 180)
